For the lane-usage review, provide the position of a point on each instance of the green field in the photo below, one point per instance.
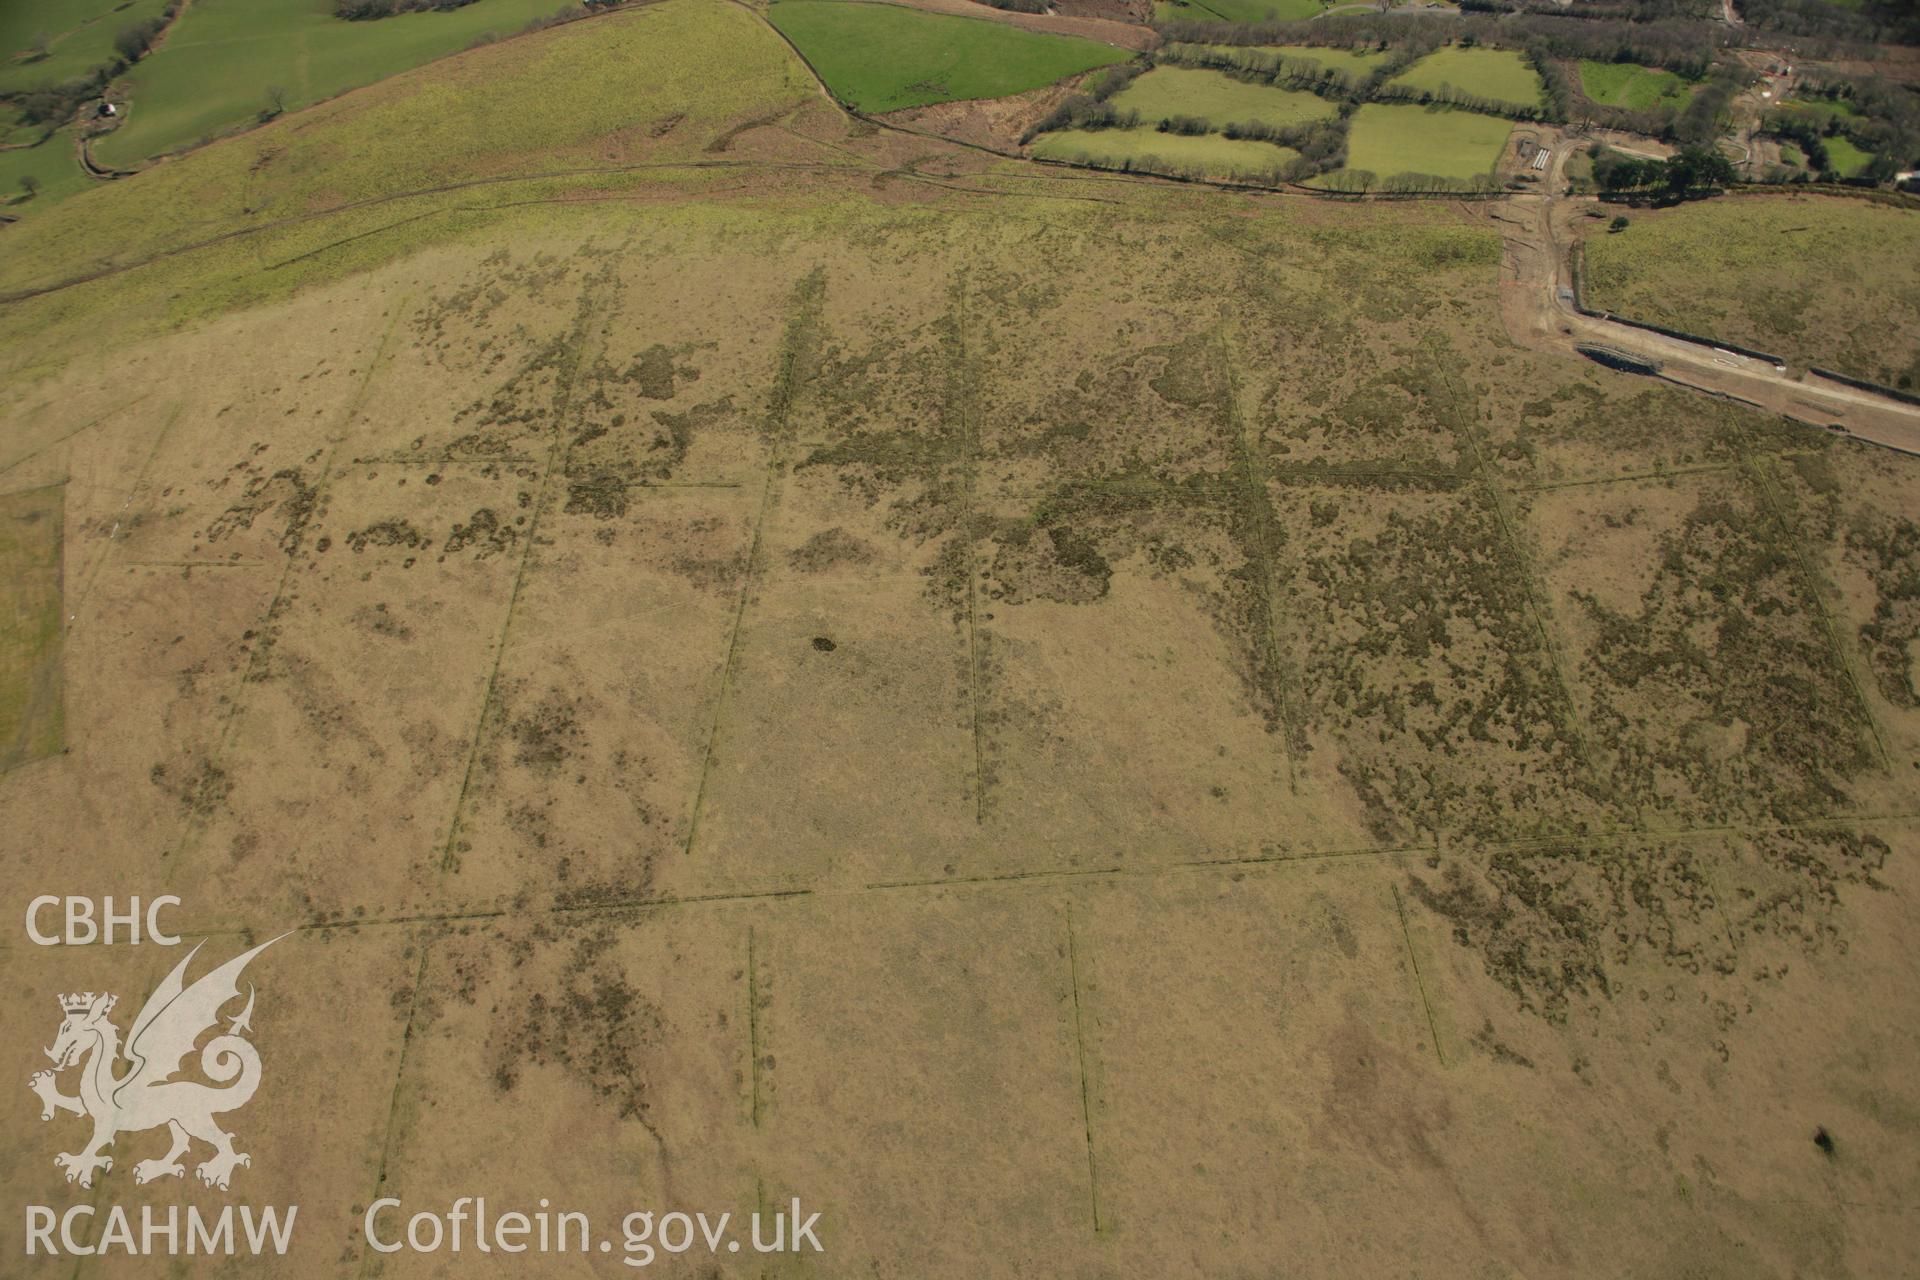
(81, 34)
(1217, 98)
(14, 130)
(1386, 139)
(53, 164)
(413, 132)
(1825, 108)
(1627, 84)
(1823, 280)
(212, 74)
(1206, 156)
(881, 57)
(1499, 74)
(1235, 10)
(22, 20)
(1847, 160)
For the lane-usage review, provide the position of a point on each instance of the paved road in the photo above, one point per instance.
(1536, 301)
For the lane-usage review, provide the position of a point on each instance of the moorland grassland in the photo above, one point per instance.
(31, 720)
(787, 658)
(1823, 281)
(1206, 155)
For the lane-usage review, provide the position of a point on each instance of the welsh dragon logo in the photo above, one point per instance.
(145, 1095)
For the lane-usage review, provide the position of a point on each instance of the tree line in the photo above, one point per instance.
(1690, 172)
(1635, 11)
(1690, 48)
(1873, 22)
(371, 10)
(1089, 108)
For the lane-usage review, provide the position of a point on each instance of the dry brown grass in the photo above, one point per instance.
(1079, 738)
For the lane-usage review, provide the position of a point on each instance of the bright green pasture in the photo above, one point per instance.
(22, 20)
(14, 130)
(881, 57)
(81, 37)
(705, 63)
(212, 73)
(1499, 74)
(1847, 160)
(1825, 108)
(1217, 98)
(1386, 139)
(53, 164)
(1627, 84)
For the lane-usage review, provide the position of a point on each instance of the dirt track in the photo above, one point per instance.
(1536, 302)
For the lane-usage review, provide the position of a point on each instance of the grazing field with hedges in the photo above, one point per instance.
(1637, 88)
(80, 35)
(1390, 140)
(1823, 108)
(1496, 75)
(883, 57)
(1847, 159)
(1165, 93)
(51, 165)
